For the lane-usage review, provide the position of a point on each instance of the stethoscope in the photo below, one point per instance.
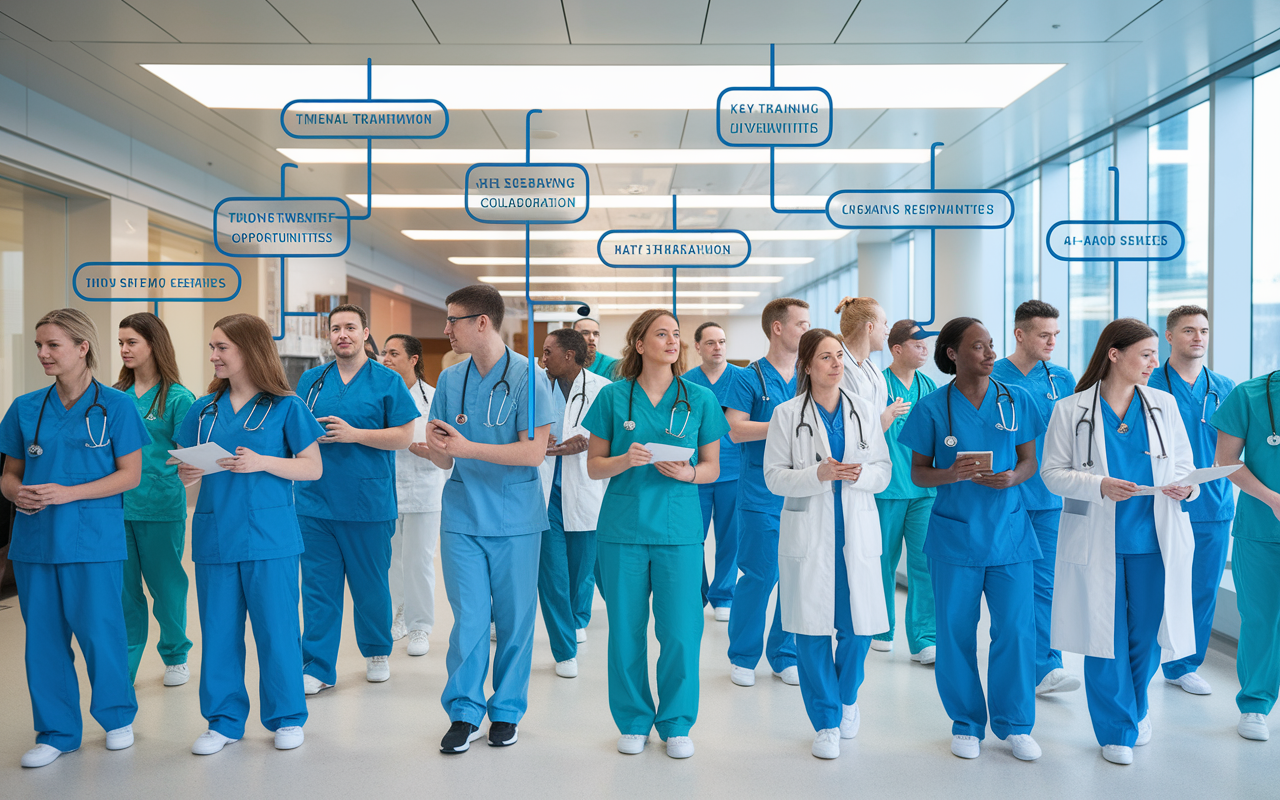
(764, 390)
(1208, 390)
(257, 401)
(93, 444)
(1052, 394)
(581, 398)
(682, 399)
(1274, 438)
(317, 386)
(808, 401)
(506, 394)
(1090, 416)
(1002, 425)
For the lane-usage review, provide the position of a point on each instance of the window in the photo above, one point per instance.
(823, 294)
(1089, 192)
(1266, 210)
(1021, 254)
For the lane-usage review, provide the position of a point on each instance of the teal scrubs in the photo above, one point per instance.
(904, 510)
(155, 528)
(1255, 559)
(650, 550)
(604, 365)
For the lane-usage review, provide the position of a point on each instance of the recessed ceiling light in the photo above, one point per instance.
(723, 155)
(591, 236)
(581, 279)
(596, 293)
(610, 201)
(551, 261)
(679, 306)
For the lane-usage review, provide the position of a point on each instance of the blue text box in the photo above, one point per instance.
(535, 194)
(687, 247)
(156, 281)
(769, 116)
(1115, 240)
(287, 227)
(936, 209)
(364, 119)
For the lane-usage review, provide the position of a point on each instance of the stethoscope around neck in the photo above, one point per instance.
(35, 450)
(1010, 425)
(1208, 390)
(461, 419)
(682, 399)
(1090, 418)
(213, 404)
(853, 411)
(581, 397)
(1274, 438)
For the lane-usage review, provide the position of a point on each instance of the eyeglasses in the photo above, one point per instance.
(455, 320)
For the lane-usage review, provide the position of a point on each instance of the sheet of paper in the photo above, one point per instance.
(983, 457)
(1196, 478)
(204, 456)
(668, 452)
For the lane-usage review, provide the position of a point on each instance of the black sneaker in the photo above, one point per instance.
(459, 738)
(502, 734)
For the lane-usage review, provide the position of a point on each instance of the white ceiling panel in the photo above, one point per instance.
(634, 180)
(75, 20)
(710, 178)
(366, 22)
(768, 21)
(223, 21)
(495, 21)
(1077, 21)
(916, 127)
(910, 21)
(637, 129)
(630, 22)
(570, 127)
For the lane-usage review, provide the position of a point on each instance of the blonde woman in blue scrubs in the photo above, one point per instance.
(649, 539)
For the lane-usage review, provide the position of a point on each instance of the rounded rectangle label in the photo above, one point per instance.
(783, 116)
(939, 209)
(156, 281)
(1115, 240)
(364, 119)
(282, 226)
(527, 193)
(695, 247)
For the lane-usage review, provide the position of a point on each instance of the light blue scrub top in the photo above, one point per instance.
(247, 516)
(900, 485)
(483, 499)
(744, 395)
(1045, 391)
(1216, 502)
(1127, 460)
(641, 505)
(1243, 414)
(605, 366)
(973, 525)
(833, 421)
(359, 482)
(84, 530)
(160, 496)
(730, 458)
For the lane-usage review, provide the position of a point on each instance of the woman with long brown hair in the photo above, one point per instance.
(155, 513)
(245, 539)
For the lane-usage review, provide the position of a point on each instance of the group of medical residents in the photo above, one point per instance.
(1069, 506)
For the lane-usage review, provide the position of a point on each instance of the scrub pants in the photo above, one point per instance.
(268, 592)
(412, 578)
(758, 560)
(907, 521)
(360, 552)
(489, 578)
(668, 575)
(155, 553)
(827, 686)
(1116, 688)
(1045, 523)
(1255, 565)
(1011, 661)
(564, 580)
(719, 505)
(1209, 561)
(58, 600)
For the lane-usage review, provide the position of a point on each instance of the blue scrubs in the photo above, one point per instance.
(1212, 511)
(69, 560)
(491, 529)
(720, 500)
(245, 542)
(1116, 688)
(980, 542)
(826, 685)
(349, 516)
(759, 511)
(1044, 507)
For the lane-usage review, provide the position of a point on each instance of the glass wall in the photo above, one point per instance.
(1021, 254)
(823, 294)
(1089, 309)
(1266, 211)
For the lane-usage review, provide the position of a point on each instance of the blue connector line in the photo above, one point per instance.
(674, 225)
(933, 255)
(368, 161)
(1115, 265)
(284, 313)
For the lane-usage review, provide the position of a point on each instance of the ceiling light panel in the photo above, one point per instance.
(599, 201)
(554, 261)
(621, 294)
(591, 236)
(683, 280)
(725, 155)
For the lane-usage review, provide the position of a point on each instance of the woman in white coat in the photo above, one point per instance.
(1122, 593)
(825, 453)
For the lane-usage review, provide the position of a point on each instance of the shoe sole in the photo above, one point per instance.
(50, 761)
(778, 675)
(515, 735)
(1188, 691)
(289, 746)
(826, 757)
(465, 745)
(114, 747)
(382, 679)
(1058, 688)
(737, 682)
(215, 752)
(633, 752)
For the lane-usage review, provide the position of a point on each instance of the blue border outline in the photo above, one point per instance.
(831, 114)
(1007, 223)
(660, 232)
(370, 100)
(75, 275)
(466, 193)
(282, 199)
(1048, 238)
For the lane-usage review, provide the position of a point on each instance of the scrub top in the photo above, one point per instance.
(603, 365)
(359, 482)
(1243, 414)
(160, 497)
(1127, 460)
(1045, 390)
(247, 516)
(745, 394)
(558, 404)
(900, 485)
(973, 525)
(641, 505)
(480, 498)
(1197, 402)
(730, 458)
(84, 530)
(833, 421)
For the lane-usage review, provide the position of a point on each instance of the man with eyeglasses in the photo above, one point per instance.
(597, 362)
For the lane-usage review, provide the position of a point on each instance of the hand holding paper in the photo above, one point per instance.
(1195, 478)
(668, 452)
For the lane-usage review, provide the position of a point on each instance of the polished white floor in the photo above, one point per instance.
(381, 740)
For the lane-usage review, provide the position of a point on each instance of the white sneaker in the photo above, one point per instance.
(1192, 683)
(377, 669)
(567, 668)
(1144, 731)
(313, 685)
(493, 631)
(419, 645)
(790, 676)
(826, 744)
(679, 747)
(1118, 754)
(926, 656)
(210, 742)
(882, 647)
(741, 675)
(176, 674)
(398, 627)
(120, 738)
(581, 635)
(850, 721)
(632, 743)
(722, 613)
(42, 755)
(1024, 747)
(965, 746)
(1252, 726)
(289, 737)
(1058, 680)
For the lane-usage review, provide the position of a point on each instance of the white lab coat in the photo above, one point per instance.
(1084, 592)
(419, 483)
(806, 541)
(580, 496)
